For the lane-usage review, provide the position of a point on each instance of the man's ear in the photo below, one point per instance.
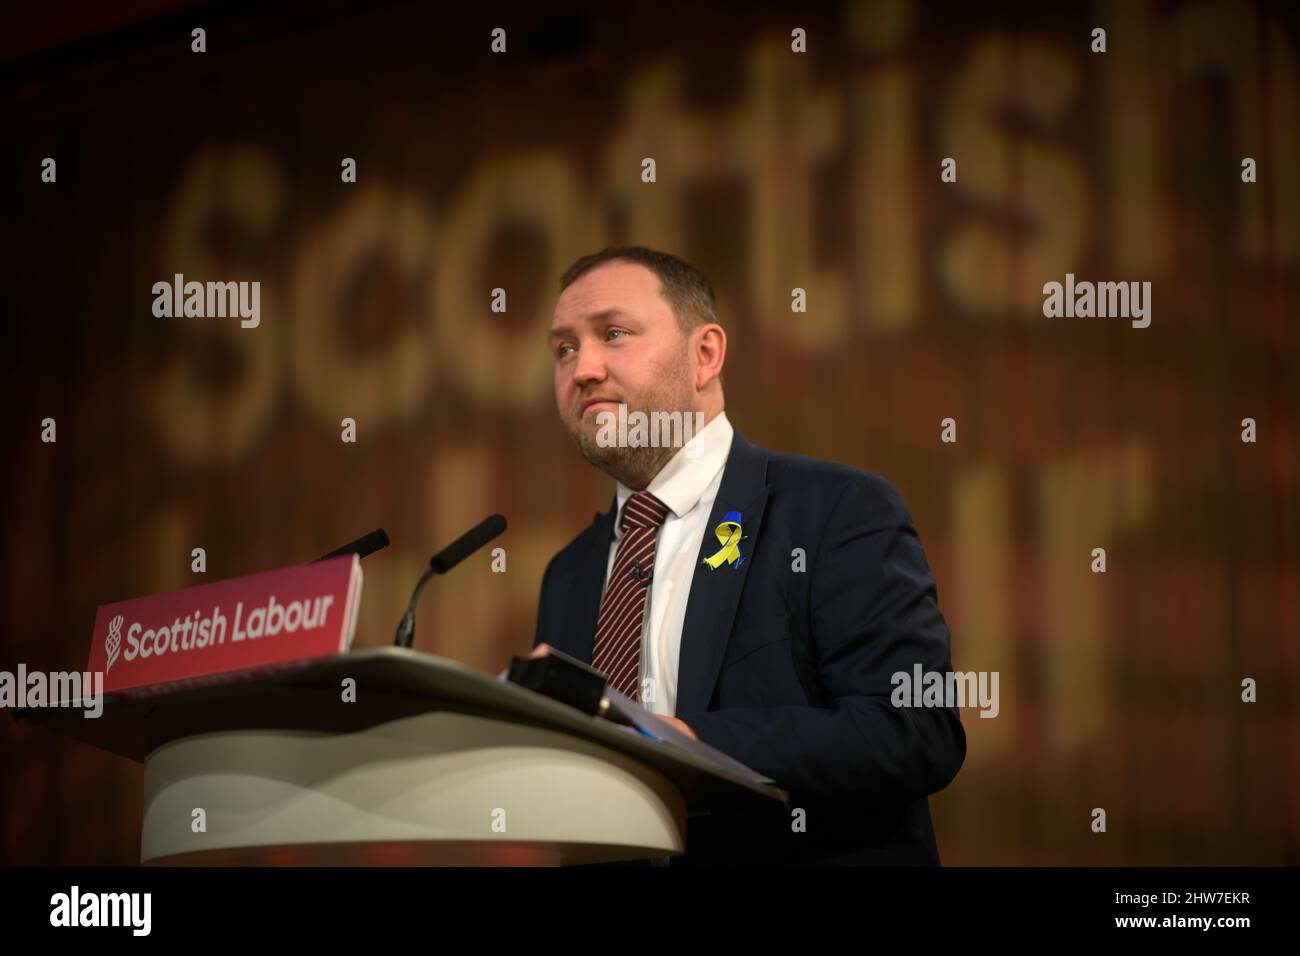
(710, 353)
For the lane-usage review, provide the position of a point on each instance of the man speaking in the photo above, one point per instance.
(759, 601)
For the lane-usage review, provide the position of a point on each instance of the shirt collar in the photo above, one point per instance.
(683, 480)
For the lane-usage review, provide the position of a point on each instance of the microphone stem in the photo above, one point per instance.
(406, 630)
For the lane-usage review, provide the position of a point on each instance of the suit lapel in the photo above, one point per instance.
(584, 598)
(715, 593)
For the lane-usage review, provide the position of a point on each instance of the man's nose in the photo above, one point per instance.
(588, 368)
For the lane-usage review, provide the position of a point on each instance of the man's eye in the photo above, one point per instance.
(559, 352)
(612, 331)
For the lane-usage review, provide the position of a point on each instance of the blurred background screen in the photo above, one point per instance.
(821, 171)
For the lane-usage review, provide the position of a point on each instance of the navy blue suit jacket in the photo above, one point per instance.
(789, 670)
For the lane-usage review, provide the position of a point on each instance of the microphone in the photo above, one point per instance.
(444, 561)
(467, 544)
(362, 546)
(636, 574)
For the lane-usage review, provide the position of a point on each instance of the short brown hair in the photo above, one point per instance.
(683, 286)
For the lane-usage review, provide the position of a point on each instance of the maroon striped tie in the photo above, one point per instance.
(616, 652)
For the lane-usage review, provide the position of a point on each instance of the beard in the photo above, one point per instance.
(636, 467)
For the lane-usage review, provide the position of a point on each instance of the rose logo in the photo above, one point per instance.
(113, 643)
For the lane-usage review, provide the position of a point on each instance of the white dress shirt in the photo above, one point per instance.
(688, 485)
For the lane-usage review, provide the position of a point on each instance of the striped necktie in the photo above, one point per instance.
(616, 652)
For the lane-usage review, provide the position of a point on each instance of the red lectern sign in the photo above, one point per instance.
(279, 616)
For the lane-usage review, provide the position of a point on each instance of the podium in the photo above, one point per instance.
(430, 763)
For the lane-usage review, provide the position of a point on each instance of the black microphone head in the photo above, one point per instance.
(362, 546)
(468, 543)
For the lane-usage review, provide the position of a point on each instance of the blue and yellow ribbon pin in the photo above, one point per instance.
(729, 536)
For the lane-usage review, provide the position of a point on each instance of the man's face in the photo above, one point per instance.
(614, 339)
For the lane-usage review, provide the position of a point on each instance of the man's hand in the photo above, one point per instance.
(541, 650)
(679, 724)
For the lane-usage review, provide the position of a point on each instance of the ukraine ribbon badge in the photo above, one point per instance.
(729, 536)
